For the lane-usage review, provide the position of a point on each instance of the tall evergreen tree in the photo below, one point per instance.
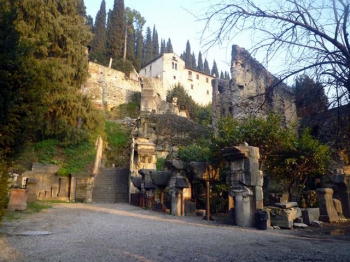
(215, 70)
(162, 46)
(130, 35)
(116, 30)
(222, 75)
(169, 46)
(193, 61)
(60, 61)
(206, 67)
(155, 42)
(227, 75)
(98, 44)
(148, 48)
(200, 66)
(188, 55)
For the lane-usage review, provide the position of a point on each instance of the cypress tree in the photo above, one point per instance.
(214, 70)
(148, 49)
(61, 63)
(169, 47)
(222, 75)
(206, 67)
(162, 46)
(130, 39)
(98, 44)
(155, 42)
(188, 55)
(200, 66)
(193, 61)
(227, 76)
(116, 30)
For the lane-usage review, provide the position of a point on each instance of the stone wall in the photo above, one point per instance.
(253, 90)
(109, 87)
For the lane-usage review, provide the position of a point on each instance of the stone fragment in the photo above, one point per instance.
(300, 225)
(287, 204)
(316, 223)
(327, 211)
(298, 220)
(283, 218)
(310, 214)
(276, 227)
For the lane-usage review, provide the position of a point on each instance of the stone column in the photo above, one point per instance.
(327, 210)
(243, 210)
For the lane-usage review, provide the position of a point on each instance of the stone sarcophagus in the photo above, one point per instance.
(245, 181)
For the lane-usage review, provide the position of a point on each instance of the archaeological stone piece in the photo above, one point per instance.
(284, 218)
(245, 181)
(328, 212)
(18, 199)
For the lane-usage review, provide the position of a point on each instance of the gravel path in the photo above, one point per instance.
(120, 232)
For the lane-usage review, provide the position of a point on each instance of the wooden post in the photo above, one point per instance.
(207, 184)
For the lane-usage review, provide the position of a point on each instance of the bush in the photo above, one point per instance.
(4, 183)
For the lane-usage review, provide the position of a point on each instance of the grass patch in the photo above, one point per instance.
(118, 149)
(76, 158)
(32, 208)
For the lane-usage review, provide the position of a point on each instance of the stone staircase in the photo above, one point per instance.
(111, 185)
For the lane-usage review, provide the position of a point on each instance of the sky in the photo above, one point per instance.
(176, 19)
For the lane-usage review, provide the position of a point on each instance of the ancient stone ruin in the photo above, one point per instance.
(252, 91)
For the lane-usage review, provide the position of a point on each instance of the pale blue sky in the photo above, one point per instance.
(175, 19)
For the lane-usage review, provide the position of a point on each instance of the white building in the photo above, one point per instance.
(171, 69)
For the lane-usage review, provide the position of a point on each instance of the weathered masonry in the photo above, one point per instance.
(252, 91)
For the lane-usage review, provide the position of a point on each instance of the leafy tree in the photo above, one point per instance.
(206, 67)
(148, 49)
(155, 43)
(306, 157)
(129, 51)
(169, 47)
(200, 66)
(4, 178)
(201, 115)
(214, 70)
(309, 96)
(313, 36)
(98, 43)
(285, 157)
(139, 22)
(116, 30)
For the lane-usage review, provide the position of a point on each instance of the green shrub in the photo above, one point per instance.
(4, 178)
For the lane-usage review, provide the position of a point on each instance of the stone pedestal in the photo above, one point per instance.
(244, 211)
(177, 183)
(325, 201)
(73, 187)
(18, 199)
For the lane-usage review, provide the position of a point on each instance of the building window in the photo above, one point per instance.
(197, 77)
(189, 75)
(192, 87)
(207, 80)
(150, 68)
(145, 70)
(175, 77)
(175, 66)
(207, 92)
